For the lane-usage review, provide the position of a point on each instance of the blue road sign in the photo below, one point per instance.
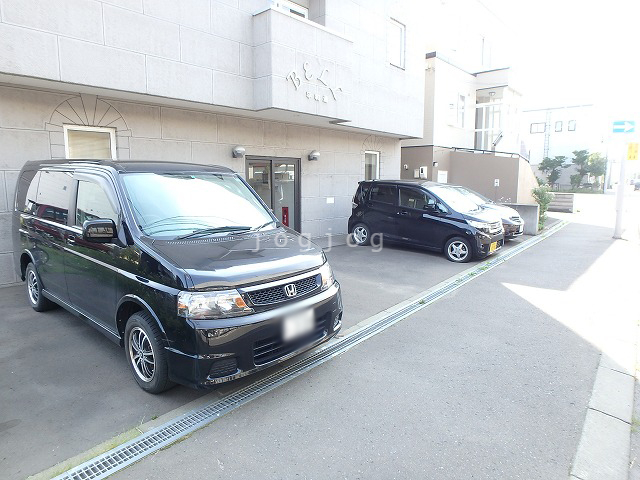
(624, 126)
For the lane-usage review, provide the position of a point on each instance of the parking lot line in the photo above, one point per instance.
(173, 430)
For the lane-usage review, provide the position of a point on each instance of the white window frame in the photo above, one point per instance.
(533, 128)
(377, 155)
(84, 128)
(293, 8)
(461, 110)
(403, 42)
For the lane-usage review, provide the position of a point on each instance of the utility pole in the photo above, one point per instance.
(617, 232)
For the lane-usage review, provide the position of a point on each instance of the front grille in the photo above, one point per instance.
(495, 227)
(271, 348)
(271, 295)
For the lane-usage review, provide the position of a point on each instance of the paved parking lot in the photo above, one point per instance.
(65, 388)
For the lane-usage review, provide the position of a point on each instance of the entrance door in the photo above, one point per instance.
(277, 181)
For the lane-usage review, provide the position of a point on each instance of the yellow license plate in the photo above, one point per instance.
(493, 246)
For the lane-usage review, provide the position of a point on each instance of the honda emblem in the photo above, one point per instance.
(290, 290)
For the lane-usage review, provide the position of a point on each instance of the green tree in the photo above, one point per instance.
(551, 167)
(543, 197)
(581, 161)
(597, 164)
(575, 180)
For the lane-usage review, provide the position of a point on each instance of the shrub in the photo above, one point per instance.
(543, 197)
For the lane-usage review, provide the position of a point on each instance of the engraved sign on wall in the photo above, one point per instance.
(310, 76)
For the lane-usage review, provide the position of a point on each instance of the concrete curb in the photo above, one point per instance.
(604, 449)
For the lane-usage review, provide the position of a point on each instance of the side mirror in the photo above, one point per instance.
(101, 230)
(430, 208)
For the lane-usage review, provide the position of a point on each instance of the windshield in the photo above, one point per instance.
(474, 196)
(455, 199)
(170, 205)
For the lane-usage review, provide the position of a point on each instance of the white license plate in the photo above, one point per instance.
(297, 325)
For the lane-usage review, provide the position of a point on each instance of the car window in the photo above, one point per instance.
(383, 194)
(31, 197)
(169, 205)
(52, 200)
(361, 193)
(92, 203)
(456, 200)
(412, 198)
(475, 197)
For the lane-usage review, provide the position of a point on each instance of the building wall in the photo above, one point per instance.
(443, 83)
(235, 53)
(476, 171)
(451, 82)
(31, 128)
(588, 135)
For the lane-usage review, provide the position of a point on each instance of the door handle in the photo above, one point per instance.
(403, 212)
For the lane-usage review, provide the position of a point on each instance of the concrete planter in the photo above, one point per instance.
(529, 213)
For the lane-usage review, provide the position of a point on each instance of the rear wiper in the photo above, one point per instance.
(205, 231)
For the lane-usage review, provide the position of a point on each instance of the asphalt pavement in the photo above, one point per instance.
(65, 388)
(492, 381)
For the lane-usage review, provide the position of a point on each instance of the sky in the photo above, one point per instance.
(574, 52)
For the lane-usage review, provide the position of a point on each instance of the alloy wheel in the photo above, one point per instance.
(360, 234)
(32, 286)
(458, 250)
(141, 354)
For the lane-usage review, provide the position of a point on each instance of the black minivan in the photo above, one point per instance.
(183, 265)
(432, 215)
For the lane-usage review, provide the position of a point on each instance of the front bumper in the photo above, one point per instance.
(484, 241)
(232, 348)
(512, 230)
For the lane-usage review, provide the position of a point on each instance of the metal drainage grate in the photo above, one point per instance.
(120, 457)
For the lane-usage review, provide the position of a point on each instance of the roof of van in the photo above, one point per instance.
(409, 182)
(133, 166)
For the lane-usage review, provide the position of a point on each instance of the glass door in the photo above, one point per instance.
(277, 183)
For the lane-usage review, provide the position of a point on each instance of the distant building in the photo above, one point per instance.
(558, 131)
(471, 132)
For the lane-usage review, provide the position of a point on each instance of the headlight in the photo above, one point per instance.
(216, 304)
(482, 226)
(327, 276)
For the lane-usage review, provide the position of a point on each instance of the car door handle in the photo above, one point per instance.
(71, 239)
(403, 212)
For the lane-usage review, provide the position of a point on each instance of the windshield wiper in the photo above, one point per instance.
(205, 231)
(262, 226)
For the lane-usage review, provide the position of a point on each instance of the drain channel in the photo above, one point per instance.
(130, 452)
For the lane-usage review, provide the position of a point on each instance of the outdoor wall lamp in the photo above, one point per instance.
(314, 155)
(238, 152)
(435, 164)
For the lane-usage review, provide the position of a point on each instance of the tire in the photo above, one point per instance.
(361, 234)
(34, 290)
(458, 250)
(150, 369)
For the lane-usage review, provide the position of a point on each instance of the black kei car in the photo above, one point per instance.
(182, 265)
(426, 214)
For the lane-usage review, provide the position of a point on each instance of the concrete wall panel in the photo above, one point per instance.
(141, 33)
(28, 52)
(178, 80)
(80, 19)
(90, 64)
